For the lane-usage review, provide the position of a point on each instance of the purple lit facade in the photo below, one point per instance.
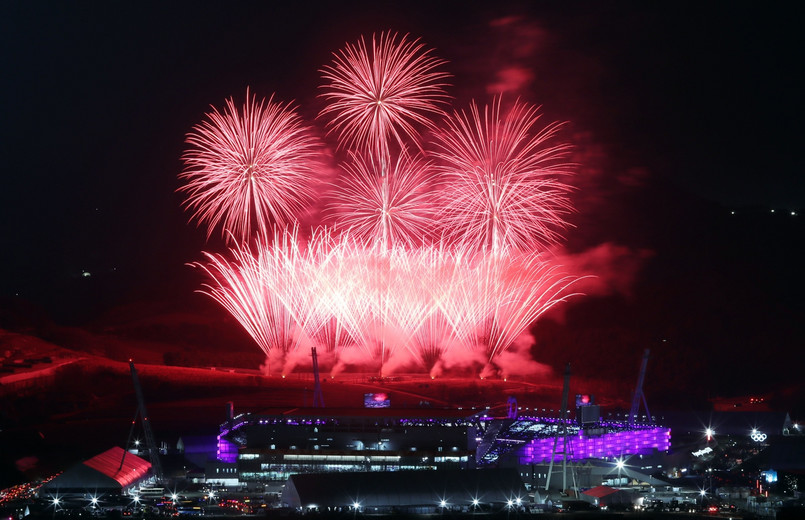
(227, 450)
(640, 441)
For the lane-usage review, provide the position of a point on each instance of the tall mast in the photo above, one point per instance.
(150, 444)
(638, 393)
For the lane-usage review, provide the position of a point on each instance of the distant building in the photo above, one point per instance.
(407, 491)
(605, 496)
(741, 423)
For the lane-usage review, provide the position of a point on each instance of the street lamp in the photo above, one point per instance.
(620, 464)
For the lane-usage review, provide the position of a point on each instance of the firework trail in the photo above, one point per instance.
(404, 305)
(502, 179)
(380, 93)
(249, 170)
(238, 286)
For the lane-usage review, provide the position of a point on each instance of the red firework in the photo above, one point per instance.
(378, 95)
(249, 170)
(389, 209)
(501, 178)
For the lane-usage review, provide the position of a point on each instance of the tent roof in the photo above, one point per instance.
(600, 491)
(108, 463)
(101, 473)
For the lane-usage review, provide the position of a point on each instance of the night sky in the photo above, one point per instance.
(674, 108)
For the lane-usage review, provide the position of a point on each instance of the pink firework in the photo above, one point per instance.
(377, 95)
(502, 178)
(249, 170)
(435, 266)
(389, 209)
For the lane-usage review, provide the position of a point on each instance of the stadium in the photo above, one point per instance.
(265, 450)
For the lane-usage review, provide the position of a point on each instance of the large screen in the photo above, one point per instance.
(378, 400)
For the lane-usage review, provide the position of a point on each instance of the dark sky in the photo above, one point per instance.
(98, 96)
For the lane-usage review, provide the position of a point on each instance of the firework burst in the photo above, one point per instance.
(379, 94)
(502, 178)
(389, 209)
(249, 170)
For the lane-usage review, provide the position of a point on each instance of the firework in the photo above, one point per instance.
(247, 171)
(392, 289)
(377, 95)
(502, 178)
(389, 209)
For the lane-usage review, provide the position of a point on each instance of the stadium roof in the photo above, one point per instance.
(102, 472)
(403, 488)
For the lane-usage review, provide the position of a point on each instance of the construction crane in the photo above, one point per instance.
(638, 393)
(150, 444)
